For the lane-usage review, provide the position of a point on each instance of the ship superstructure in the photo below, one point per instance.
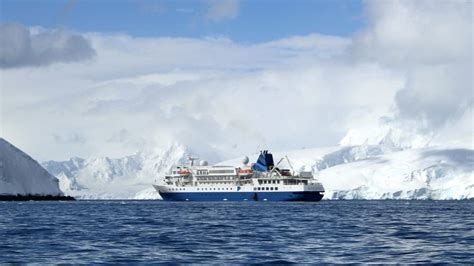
(260, 181)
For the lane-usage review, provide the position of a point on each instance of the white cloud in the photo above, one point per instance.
(412, 33)
(185, 10)
(226, 98)
(222, 9)
(430, 43)
(20, 47)
(214, 95)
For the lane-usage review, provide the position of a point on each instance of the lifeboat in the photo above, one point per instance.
(183, 172)
(245, 171)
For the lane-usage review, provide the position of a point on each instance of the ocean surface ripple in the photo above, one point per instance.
(244, 232)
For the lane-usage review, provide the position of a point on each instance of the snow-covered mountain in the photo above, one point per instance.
(380, 172)
(22, 175)
(424, 173)
(122, 178)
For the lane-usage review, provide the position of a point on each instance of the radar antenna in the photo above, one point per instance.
(192, 160)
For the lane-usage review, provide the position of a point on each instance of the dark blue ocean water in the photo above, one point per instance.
(245, 232)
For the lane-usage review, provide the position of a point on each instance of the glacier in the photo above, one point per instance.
(438, 173)
(22, 175)
(378, 171)
(382, 172)
(129, 177)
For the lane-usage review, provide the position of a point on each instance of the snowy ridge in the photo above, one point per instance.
(22, 175)
(317, 159)
(379, 172)
(389, 134)
(426, 173)
(121, 178)
(382, 171)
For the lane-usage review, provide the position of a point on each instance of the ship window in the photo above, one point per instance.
(267, 188)
(271, 188)
(276, 188)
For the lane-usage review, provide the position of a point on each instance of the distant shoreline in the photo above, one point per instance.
(34, 197)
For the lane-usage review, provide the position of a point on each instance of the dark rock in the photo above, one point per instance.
(34, 197)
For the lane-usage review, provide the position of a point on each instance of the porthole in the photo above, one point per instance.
(271, 188)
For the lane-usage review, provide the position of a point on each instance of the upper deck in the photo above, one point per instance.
(252, 175)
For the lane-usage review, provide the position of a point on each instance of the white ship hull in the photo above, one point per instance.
(312, 192)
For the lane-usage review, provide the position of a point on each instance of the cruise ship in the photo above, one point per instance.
(259, 181)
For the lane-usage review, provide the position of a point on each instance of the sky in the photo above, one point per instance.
(242, 21)
(229, 77)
